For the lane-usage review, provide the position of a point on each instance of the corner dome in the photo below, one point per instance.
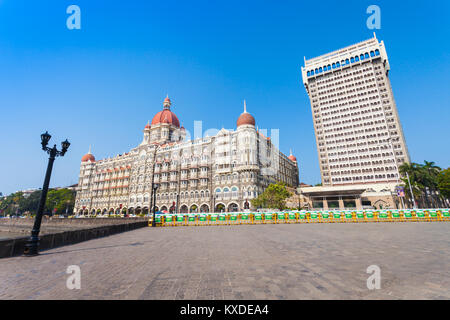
(245, 118)
(88, 156)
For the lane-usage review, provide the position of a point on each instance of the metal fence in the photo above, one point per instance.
(345, 216)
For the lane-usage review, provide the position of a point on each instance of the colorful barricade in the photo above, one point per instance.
(422, 215)
(337, 216)
(292, 217)
(325, 216)
(244, 218)
(167, 220)
(396, 215)
(257, 218)
(212, 219)
(269, 218)
(281, 217)
(302, 217)
(383, 216)
(192, 219)
(445, 214)
(179, 220)
(314, 217)
(348, 216)
(409, 215)
(233, 218)
(222, 219)
(434, 216)
(370, 216)
(202, 219)
(359, 215)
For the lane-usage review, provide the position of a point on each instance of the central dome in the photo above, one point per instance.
(166, 116)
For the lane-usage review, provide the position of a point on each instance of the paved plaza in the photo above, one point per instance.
(298, 261)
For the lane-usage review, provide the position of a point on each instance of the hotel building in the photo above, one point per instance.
(358, 132)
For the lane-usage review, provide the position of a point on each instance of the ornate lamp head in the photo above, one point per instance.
(45, 138)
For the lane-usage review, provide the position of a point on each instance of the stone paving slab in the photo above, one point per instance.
(314, 261)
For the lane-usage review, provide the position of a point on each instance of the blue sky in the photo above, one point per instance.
(101, 84)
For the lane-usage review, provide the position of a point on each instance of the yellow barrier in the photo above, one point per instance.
(203, 219)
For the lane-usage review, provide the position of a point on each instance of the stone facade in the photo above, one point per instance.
(221, 172)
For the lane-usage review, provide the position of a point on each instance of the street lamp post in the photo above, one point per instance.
(410, 189)
(32, 246)
(154, 188)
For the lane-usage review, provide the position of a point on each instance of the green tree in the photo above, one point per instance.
(274, 197)
(443, 185)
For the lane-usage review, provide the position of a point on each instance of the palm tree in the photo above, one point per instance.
(432, 173)
(415, 177)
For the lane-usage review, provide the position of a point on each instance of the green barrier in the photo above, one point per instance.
(433, 214)
(179, 219)
(213, 217)
(281, 217)
(383, 215)
(325, 215)
(446, 213)
(222, 217)
(360, 214)
(268, 217)
(407, 214)
(191, 218)
(292, 217)
(158, 218)
(314, 215)
(336, 215)
(202, 217)
(257, 218)
(348, 215)
(420, 214)
(244, 217)
(302, 216)
(168, 219)
(369, 214)
(396, 214)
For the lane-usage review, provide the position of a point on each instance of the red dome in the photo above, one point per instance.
(166, 116)
(147, 126)
(88, 157)
(292, 158)
(245, 118)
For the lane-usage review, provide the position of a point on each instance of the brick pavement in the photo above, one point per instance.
(310, 261)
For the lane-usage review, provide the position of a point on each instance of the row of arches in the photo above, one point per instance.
(184, 208)
(338, 64)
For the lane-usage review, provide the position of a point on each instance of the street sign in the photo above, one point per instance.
(400, 191)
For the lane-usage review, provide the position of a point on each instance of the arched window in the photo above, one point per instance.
(352, 60)
(226, 192)
(372, 54)
(377, 52)
(329, 67)
(316, 71)
(309, 73)
(356, 58)
(366, 56)
(320, 69)
(338, 65)
(347, 61)
(362, 57)
(334, 65)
